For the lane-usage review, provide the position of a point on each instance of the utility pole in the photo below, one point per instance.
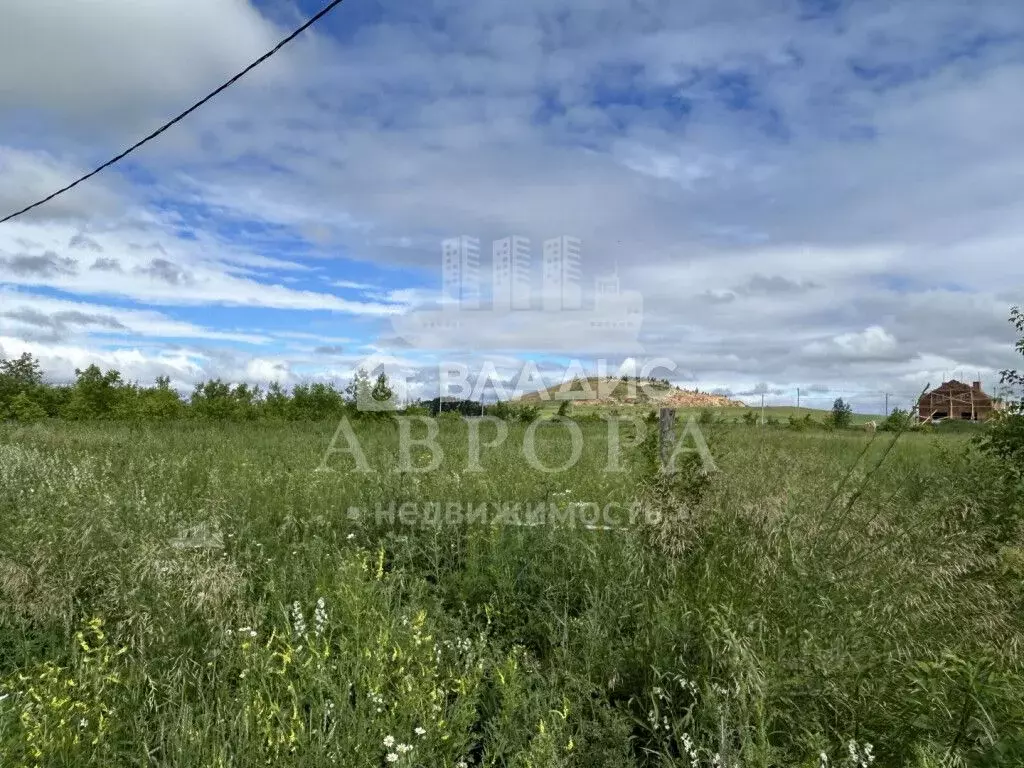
(798, 397)
(886, 403)
(762, 409)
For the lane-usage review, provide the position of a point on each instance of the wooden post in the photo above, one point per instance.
(666, 436)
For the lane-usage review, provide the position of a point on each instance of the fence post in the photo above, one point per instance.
(666, 436)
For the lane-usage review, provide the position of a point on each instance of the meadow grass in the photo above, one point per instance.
(820, 597)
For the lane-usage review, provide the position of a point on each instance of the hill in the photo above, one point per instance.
(596, 391)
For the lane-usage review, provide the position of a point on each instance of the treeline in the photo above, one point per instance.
(26, 396)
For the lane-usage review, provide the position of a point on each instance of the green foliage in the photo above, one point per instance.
(1005, 437)
(770, 611)
(564, 407)
(95, 394)
(897, 421)
(359, 389)
(842, 414)
(26, 410)
(521, 412)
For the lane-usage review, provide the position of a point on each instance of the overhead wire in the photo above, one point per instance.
(173, 121)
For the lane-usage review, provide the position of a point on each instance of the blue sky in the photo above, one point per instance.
(805, 193)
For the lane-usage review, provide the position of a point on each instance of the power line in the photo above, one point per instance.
(312, 20)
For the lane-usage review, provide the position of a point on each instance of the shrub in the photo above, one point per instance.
(26, 410)
(1005, 437)
(896, 421)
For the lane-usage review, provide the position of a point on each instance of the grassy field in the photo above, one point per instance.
(728, 414)
(202, 595)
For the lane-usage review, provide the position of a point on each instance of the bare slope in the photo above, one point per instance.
(616, 392)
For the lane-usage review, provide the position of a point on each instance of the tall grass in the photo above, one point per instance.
(768, 614)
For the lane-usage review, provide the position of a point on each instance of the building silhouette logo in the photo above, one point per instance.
(506, 312)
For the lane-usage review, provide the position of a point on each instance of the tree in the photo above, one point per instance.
(213, 400)
(842, 414)
(25, 409)
(94, 394)
(382, 391)
(1005, 438)
(359, 388)
(18, 377)
(564, 407)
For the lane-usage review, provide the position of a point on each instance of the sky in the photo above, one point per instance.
(818, 195)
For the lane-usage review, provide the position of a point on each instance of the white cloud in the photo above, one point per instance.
(721, 153)
(120, 62)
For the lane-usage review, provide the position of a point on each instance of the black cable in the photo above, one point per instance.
(313, 20)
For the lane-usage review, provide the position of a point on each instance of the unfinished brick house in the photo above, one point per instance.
(956, 400)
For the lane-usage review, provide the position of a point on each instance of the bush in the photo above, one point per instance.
(26, 410)
(897, 421)
(1005, 437)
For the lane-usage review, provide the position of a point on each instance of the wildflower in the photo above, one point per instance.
(350, 536)
(319, 617)
(391, 757)
(822, 760)
(688, 746)
(420, 731)
(404, 748)
(298, 620)
(462, 764)
(389, 741)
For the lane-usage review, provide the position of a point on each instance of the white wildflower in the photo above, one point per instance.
(420, 731)
(404, 748)
(320, 617)
(298, 620)
(391, 757)
(389, 741)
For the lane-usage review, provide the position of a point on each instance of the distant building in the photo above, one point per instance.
(956, 400)
(561, 274)
(511, 273)
(460, 271)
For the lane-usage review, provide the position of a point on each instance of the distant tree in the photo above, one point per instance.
(20, 376)
(382, 391)
(25, 372)
(213, 400)
(95, 394)
(359, 388)
(842, 414)
(275, 404)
